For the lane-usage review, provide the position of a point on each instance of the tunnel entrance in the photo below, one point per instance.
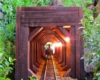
(38, 25)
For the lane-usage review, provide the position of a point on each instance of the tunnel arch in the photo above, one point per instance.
(38, 25)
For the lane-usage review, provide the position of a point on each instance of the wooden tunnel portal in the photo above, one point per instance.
(38, 25)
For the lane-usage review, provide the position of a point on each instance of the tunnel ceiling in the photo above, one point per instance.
(50, 34)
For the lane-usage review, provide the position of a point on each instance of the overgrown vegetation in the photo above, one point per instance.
(91, 32)
(7, 34)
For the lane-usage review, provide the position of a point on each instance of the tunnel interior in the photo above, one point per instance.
(37, 26)
(60, 43)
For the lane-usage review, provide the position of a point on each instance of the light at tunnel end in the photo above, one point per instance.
(67, 39)
(57, 44)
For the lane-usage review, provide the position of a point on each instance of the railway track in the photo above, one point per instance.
(49, 71)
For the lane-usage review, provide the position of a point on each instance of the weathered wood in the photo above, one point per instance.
(37, 24)
(49, 8)
(35, 56)
(73, 52)
(53, 19)
(65, 33)
(21, 50)
(63, 51)
(82, 71)
(34, 33)
(32, 58)
(79, 50)
(78, 45)
(47, 16)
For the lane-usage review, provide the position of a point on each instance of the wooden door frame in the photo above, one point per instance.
(22, 37)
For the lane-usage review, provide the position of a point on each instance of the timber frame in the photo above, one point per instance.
(47, 16)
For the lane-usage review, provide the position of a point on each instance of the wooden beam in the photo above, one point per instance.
(65, 32)
(21, 70)
(73, 52)
(34, 33)
(49, 8)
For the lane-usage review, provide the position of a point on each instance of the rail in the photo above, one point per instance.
(49, 73)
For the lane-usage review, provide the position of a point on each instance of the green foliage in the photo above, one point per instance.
(32, 78)
(41, 2)
(91, 34)
(5, 68)
(80, 3)
(7, 33)
(7, 39)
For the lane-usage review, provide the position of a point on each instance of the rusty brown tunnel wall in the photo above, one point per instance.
(68, 54)
(35, 57)
(60, 54)
(37, 53)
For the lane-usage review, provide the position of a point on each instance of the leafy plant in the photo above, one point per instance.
(32, 78)
(7, 33)
(91, 34)
(41, 2)
(5, 68)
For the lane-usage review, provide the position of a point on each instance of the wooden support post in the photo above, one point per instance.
(73, 52)
(21, 50)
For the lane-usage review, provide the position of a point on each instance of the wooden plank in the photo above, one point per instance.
(38, 50)
(82, 72)
(33, 65)
(31, 59)
(50, 17)
(35, 55)
(78, 45)
(49, 8)
(68, 55)
(79, 51)
(53, 19)
(21, 50)
(34, 33)
(63, 51)
(47, 14)
(29, 51)
(37, 24)
(17, 76)
(22, 68)
(73, 52)
(65, 32)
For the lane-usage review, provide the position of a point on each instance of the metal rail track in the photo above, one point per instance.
(49, 71)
